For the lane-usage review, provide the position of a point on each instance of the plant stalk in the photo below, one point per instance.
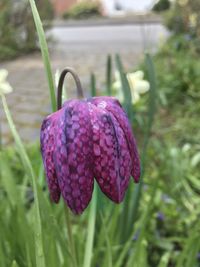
(70, 236)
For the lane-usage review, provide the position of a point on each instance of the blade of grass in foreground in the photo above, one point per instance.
(109, 75)
(138, 255)
(39, 250)
(108, 258)
(90, 230)
(151, 113)
(125, 87)
(45, 53)
(7, 181)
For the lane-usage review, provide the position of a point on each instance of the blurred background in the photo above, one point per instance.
(165, 230)
(80, 34)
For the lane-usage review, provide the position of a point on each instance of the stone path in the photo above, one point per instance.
(83, 48)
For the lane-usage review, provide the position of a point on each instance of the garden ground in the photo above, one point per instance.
(83, 48)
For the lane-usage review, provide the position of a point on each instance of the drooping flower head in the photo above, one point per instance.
(85, 140)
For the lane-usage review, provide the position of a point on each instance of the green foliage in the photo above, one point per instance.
(178, 71)
(161, 5)
(17, 31)
(83, 10)
(184, 17)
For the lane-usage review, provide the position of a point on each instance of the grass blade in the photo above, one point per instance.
(90, 230)
(123, 253)
(45, 53)
(7, 181)
(138, 255)
(188, 256)
(151, 113)
(125, 87)
(93, 85)
(152, 101)
(109, 75)
(109, 249)
(39, 250)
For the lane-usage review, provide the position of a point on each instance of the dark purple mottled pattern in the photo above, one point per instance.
(112, 163)
(113, 106)
(47, 137)
(74, 155)
(84, 140)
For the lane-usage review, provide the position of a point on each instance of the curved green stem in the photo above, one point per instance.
(60, 85)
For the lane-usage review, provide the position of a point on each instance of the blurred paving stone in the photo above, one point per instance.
(83, 48)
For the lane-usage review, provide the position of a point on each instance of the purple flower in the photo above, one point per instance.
(88, 139)
(160, 216)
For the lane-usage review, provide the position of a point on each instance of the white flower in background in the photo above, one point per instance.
(136, 82)
(193, 19)
(5, 87)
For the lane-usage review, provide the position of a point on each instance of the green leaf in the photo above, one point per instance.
(45, 52)
(93, 85)
(109, 75)
(152, 101)
(90, 230)
(133, 209)
(125, 87)
(7, 181)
